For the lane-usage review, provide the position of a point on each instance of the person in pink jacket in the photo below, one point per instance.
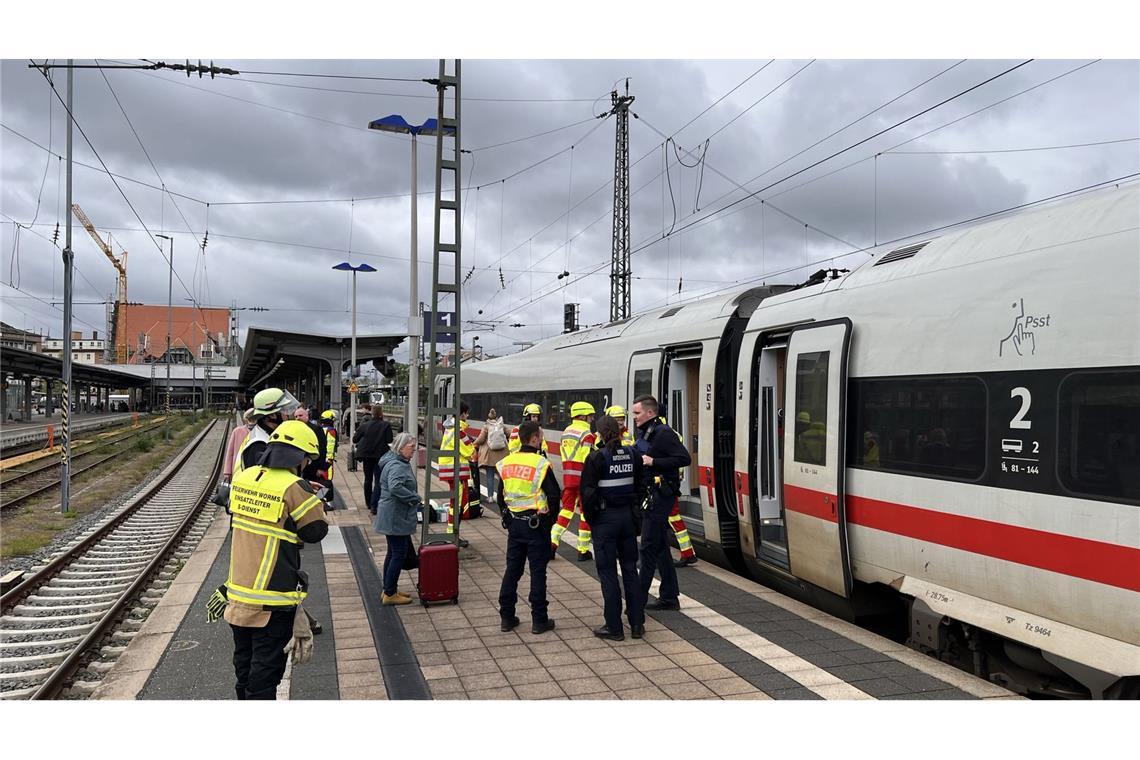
(236, 438)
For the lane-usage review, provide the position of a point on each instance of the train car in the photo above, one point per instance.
(944, 441)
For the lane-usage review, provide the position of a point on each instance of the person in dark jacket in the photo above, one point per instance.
(396, 513)
(662, 455)
(613, 485)
(372, 439)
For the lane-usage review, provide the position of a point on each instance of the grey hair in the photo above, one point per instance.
(401, 440)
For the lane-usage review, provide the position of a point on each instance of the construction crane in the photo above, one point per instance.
(120, 266)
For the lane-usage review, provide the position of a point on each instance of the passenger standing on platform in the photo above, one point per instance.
(613, 486)
(526, 495)
(491, 448)
(237, 438)
(372, 439)
(274, 512)
(663, 456)
(396, 512)
(531, 413)
(271, 407)
(577, 443)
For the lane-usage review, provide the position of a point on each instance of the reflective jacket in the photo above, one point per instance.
(251, 448)
(522, 474)
(445, 466)
(274, 512)
(577, 443)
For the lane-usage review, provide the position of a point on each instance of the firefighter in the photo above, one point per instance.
(531, 413)
(271, 407)
(613, 485)
(526, 495)
(577, 443)
(448, 471)
(274, 512)
(663, 456)
(328, 422)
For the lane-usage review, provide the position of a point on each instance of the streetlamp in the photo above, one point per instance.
(344, 266)
(398, 125)
(169, 330)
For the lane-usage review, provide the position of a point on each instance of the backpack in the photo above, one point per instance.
(496, 436)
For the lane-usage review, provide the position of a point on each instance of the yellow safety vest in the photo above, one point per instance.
(445, 466)
(522, 474)
(261, 541)
(577, 442)
(330, 445)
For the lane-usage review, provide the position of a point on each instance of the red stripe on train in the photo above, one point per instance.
(1098, 561)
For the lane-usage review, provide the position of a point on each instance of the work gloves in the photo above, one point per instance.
(300, 647)
(216, 605)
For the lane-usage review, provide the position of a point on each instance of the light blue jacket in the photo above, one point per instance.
(399, 500)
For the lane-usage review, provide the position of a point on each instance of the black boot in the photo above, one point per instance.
(605, 633)
(585, 556)
(543, 627)
(508, 624)
(686, 561)
(637, 631)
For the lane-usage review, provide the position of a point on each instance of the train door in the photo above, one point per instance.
(682, 377)
(644, 376)
(768, 512)
(816, 381)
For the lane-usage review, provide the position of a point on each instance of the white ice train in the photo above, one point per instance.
(944, 442)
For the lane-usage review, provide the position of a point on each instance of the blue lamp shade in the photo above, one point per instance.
(344, 266)
(396, 123)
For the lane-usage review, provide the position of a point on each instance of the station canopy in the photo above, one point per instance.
(18, 362)
(278, 352)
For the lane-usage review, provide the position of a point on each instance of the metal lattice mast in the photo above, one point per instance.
(443, 394)
(620, 307)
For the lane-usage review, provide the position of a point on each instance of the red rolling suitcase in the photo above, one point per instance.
(439, 572)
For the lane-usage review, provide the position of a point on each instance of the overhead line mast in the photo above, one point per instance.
(620, 306)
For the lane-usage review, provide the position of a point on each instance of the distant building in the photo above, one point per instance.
(14, 337)
(83, 350)
(198, 335)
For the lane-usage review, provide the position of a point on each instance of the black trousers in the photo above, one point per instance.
(526, 544)
(259, 657)
(655, 556)
(369, 472)
(615, 543)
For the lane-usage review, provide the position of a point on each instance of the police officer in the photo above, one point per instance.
(613, 485)
(663, 456)
(527, 492)
(274, 512)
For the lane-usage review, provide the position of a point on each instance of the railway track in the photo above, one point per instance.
(19, 485)
(60, 622)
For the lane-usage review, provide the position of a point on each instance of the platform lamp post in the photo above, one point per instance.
(169, 330)
(398, 125)
(344, 266)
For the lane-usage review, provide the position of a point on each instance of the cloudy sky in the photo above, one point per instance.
(286, 179)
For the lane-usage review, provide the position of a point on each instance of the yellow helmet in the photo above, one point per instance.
(530, 409)
(617, 412)
(329, 414)
(298, 435)
(581, 408)
(273, 400)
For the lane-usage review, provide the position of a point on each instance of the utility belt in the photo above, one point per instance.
(532, 517)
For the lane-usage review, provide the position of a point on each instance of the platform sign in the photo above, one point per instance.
(446, 319)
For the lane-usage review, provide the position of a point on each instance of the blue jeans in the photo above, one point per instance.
(492, 483)
(398, 548)
(655, 556)
(615, 542)
(524, 544)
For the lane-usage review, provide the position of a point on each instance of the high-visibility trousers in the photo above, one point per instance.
(571, 503)
(463, 494)
(682, 533)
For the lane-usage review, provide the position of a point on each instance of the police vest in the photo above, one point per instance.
(617, 484)
(522, 474)
(642, 447)
(265, 559)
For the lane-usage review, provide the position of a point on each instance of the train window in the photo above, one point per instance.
(1099, 434)
(642, 383)
(811, 408)
(923, 426)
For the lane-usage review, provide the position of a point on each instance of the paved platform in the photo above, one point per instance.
(732, 639)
